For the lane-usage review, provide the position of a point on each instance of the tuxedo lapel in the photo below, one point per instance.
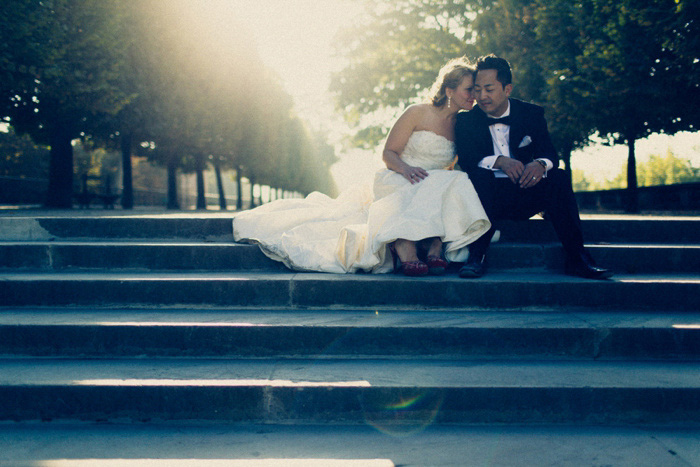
(484, 138)
(517, 130)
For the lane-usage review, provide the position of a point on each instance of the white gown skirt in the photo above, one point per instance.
(352, 232)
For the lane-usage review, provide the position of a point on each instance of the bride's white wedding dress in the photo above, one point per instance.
(353, 231)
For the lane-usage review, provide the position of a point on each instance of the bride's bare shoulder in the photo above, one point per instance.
(419, 114)
(419, 109)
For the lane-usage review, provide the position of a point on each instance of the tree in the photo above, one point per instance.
(62, 63)
(373, 82)
(579, 181)
(22, 157)
(568, 104)
(393, 57)
(667, 170)
(618, 59)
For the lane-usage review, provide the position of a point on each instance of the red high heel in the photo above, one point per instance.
(408, 268)
(436, 265)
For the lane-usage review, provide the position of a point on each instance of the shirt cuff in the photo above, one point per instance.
(548, 164)
(488, 162)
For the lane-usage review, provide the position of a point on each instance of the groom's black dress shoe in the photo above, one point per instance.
(474, 267)
(583, 266)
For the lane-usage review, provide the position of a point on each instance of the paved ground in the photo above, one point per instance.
(263, 445)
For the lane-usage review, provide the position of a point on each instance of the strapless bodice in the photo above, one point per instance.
(428, 150)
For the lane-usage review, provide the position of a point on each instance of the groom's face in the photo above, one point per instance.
(491, 95)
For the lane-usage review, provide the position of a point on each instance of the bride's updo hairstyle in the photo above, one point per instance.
(449, 77)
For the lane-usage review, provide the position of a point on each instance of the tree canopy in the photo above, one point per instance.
(148, 73)
(61, 66)
(621, 68)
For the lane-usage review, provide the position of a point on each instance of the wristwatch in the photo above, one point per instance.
(544, 164)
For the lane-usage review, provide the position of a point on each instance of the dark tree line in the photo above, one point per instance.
(140, 76)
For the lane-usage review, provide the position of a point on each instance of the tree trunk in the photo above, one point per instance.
(239, 190)
(632, 202)
(252, 193)
(220, 185)
(199, 168)
(566, 157)
(127, 178)
(60, 190)
(172, 183)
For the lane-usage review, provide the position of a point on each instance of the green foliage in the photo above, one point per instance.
(579, 181)
(658, 170)
(95, 162)
(667, 171)
(61, 63)
(621, 67)
(62, 69)
(22, 157)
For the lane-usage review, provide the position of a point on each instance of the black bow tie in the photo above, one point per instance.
(503, 120)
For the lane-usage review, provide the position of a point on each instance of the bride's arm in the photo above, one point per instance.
(396, 141)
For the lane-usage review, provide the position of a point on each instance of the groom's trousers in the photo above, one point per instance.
(553, 195)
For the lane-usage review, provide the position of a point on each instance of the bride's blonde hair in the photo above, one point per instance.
(449, 77)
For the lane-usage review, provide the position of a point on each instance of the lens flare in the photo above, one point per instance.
(400, 412)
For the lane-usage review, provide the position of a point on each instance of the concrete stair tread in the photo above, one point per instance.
(218, 227)
(321, 445)
(182, 242)
(398, 318)
(287, 333)
(534, 275)
(518, 289)
(188, 255)
(353, 373)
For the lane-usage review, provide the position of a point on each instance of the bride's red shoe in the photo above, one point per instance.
(408, 268)
(413, 268)
(436, 265)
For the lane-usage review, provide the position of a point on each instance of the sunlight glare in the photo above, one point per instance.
(295, 39)
(278, 383)
(215, 462)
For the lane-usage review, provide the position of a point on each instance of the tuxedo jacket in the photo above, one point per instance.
(528, 140)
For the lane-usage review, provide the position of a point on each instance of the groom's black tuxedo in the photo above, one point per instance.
(474, 142)
(528, 140)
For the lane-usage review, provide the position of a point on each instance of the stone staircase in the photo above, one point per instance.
(164, 318)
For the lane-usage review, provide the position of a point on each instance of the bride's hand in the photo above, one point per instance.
(414, 174)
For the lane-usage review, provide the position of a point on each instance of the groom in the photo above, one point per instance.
(504, 146)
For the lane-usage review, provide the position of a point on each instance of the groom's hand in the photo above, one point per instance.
(532, 175)
(511, 167)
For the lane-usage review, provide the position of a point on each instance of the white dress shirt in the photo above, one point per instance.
(500, 134)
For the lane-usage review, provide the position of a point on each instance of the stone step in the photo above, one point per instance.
(139, 255)
(323, 445)
(587, 334)
(206, 227)
(135, 255)
(378, 392)
(522, 289)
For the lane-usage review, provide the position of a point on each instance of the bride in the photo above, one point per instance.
(418, 215)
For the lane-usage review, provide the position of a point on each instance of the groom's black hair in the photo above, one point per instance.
(501, 65)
